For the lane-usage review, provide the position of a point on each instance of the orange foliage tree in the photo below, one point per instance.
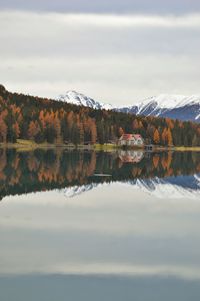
(156, 137)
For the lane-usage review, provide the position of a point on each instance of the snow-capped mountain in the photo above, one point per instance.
(173, 187)
(172, 106)
(79, 99)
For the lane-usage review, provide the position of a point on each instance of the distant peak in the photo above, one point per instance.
(163, 105)
(171, 101)
(80, 99)
(73, 92)
(2, 89)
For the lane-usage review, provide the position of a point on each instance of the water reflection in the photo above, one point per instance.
(114, 242)
(130, 156)
(90, 288)
(40, 170)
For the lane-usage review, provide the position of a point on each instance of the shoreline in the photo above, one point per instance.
(31, 145)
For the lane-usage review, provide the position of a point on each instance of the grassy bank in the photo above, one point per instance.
(106, 147)
(23, 144)
(30, 145)
(189, 148)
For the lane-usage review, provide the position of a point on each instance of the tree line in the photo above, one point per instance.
(46, 120)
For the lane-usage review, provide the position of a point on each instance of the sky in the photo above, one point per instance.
(116, 51)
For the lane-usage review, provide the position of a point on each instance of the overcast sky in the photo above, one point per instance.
(116, 51)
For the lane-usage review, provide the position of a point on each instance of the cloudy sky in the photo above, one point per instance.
(116, 51)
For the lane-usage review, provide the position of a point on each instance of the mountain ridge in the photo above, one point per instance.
(81, 100)
(185, 108)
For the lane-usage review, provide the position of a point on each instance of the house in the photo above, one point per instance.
(131, 140)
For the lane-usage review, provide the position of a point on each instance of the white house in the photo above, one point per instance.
(131, 140)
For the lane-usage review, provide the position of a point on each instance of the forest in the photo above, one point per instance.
(46, 120)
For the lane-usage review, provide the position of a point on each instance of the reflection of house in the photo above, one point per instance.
(131, 140)
(131, 156)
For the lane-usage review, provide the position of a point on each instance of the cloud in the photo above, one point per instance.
(118, 59)
(104, 6)
(116, 79)
(108, 20)
(191, 20)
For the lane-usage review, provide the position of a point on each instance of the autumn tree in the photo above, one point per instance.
(164, 136)
(3, 130)
(16, 129)
(33, 130)
(156, 136)
(135, 124)
(169, 137)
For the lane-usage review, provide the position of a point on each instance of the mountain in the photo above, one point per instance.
(81, 100)
(172, 106)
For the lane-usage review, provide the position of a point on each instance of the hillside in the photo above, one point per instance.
(47, 120)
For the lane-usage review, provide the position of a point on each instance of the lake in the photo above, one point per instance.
(80, 225)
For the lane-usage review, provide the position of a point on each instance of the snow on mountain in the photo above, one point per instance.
(79, 99)
(165, 101)
(172, 106)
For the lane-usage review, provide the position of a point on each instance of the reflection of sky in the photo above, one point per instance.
(90, 288)
(110, 230)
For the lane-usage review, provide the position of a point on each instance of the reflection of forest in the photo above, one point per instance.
(40, 170)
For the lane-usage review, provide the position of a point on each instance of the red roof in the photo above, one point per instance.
(130, 136)
(137, 136)
(126, 136)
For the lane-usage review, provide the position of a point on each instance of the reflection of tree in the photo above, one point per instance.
(156, 159)
(3, 162)
(22, 172)
(33, 163)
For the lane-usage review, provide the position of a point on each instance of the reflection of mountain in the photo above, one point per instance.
(77, 190)
(40, 170)
(173, 187)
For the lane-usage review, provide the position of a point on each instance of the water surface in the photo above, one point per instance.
(99, 226)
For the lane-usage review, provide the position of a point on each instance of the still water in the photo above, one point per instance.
(99, 226)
